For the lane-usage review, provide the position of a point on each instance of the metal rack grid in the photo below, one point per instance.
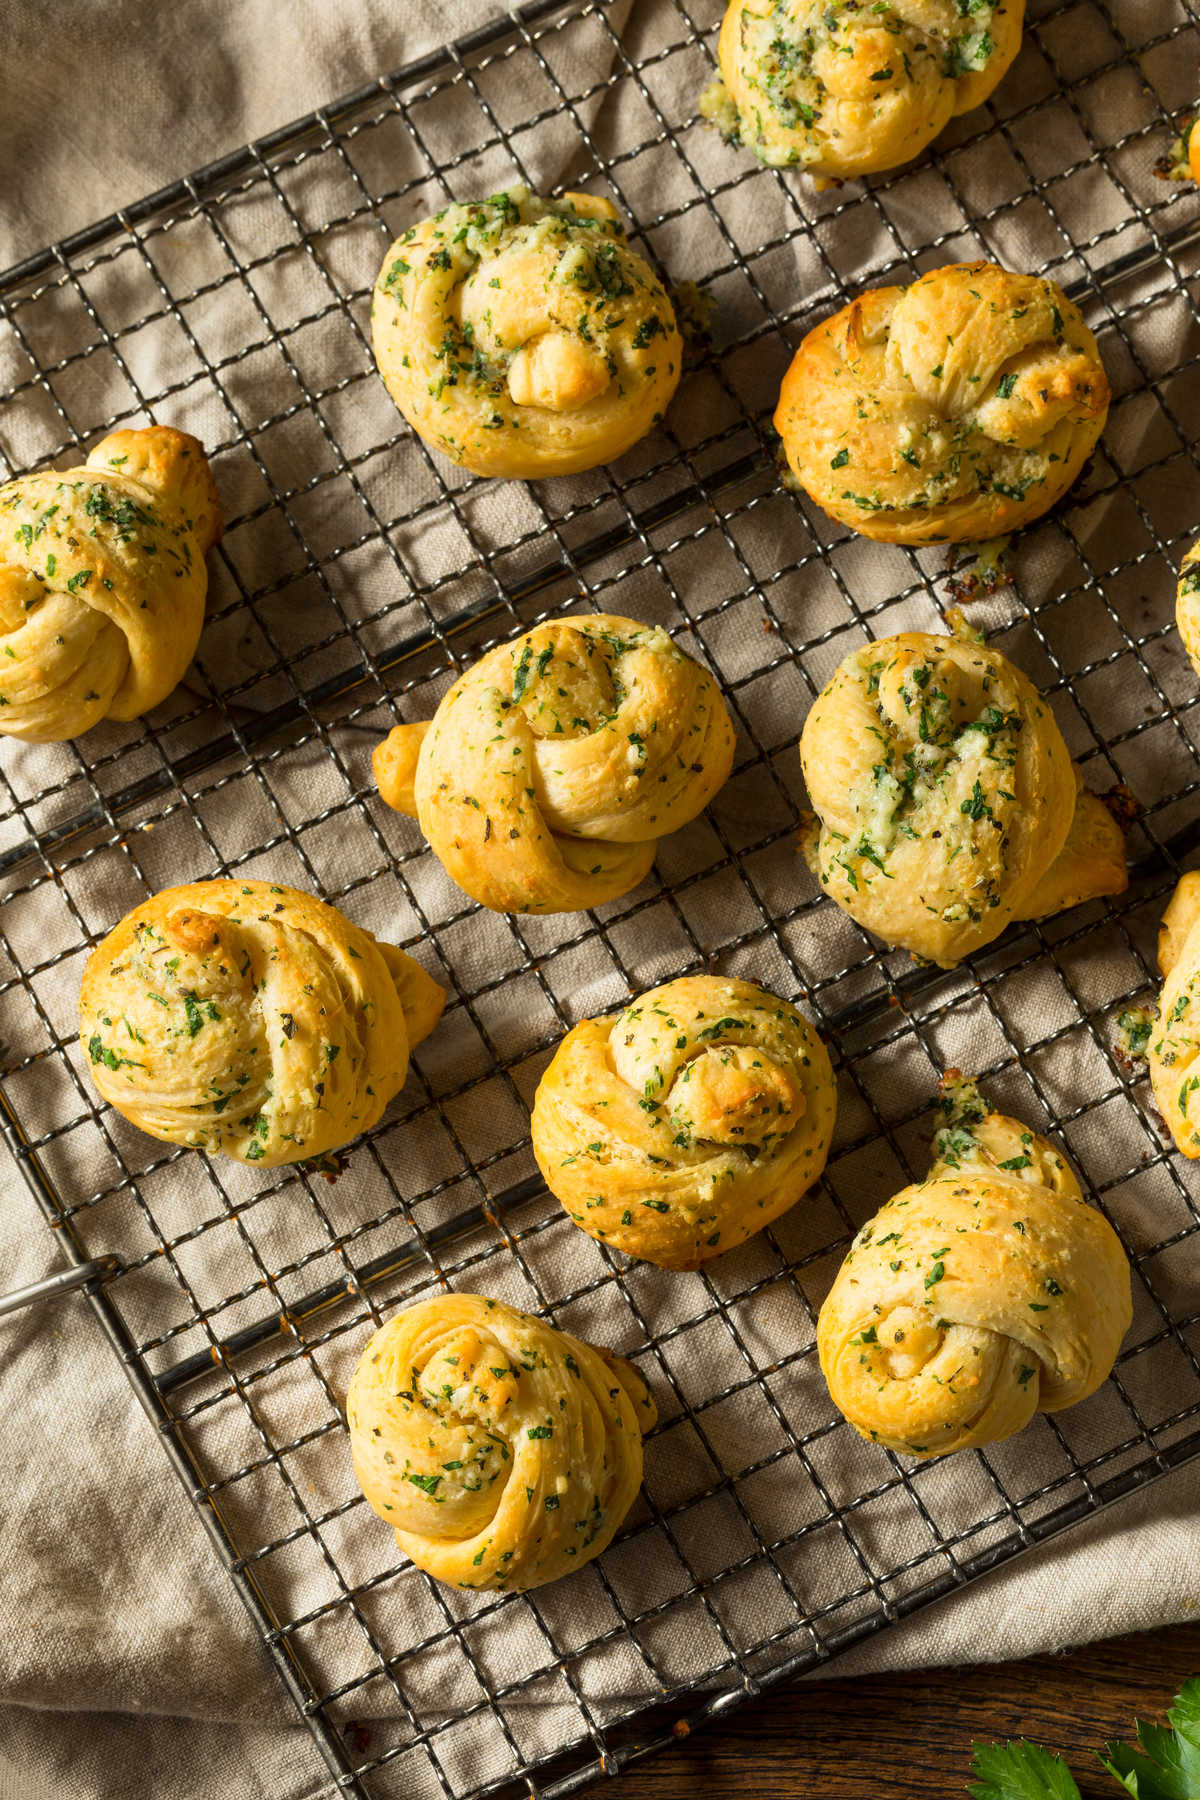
(357, 574)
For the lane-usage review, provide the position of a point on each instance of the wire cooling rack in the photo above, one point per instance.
(357, 574)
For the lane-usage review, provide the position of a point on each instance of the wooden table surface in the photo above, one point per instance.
(910, 1735)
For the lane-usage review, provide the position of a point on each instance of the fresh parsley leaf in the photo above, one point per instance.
(1163, 1765)
(1020, 1771)
(1167, 1764)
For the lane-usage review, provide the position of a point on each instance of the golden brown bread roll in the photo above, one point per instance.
(554, 765)
(977, 1297)
(1173, 1051)
(102, 582)
(946, 799)
(681, 1126)
(523, 337)
(958, 408)
(1182, 159)
(503, 1452)
(250, 1018)
(1187, 604)
(842, 91)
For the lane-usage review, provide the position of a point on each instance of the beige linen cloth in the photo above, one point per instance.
(127, 1666)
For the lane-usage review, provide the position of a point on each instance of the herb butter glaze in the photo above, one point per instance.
(555, 763)
(681, 1126)
(946, 801)
(522, 337)
(953, 410)
(503, 1452)
(243, 1017)
(102, 583)
(843, 89)
(986, 1293)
